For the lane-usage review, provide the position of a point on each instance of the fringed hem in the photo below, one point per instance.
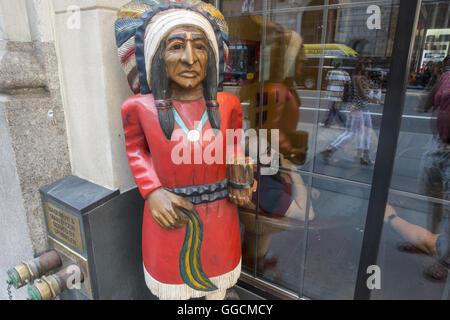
(166, 291)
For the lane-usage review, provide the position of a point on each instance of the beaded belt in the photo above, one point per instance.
(203, 193)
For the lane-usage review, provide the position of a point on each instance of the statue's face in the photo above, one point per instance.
(186, 57)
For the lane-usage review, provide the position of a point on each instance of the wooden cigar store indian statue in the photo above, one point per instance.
(175, 134)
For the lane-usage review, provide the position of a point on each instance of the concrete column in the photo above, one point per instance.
(40, 20)
(33, 140)
(14, 20)
(94, 88)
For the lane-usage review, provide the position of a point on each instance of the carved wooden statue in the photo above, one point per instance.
(173, 54)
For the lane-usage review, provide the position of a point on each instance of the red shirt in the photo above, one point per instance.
(149, 155)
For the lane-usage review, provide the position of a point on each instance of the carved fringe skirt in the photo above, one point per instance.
(166, 291)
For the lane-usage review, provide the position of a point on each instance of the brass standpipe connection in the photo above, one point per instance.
(28, 271)
(49, 287)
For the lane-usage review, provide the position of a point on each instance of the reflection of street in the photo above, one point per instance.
(413, 142)
(411, 147)
(413, 120)
(348, 200)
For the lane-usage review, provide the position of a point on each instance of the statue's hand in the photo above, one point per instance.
(242, 197)
(165, 209)
(241, 183)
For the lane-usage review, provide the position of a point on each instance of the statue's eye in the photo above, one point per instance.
(199, 46)
(176, 46)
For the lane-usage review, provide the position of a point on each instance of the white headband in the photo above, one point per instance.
(165, 22)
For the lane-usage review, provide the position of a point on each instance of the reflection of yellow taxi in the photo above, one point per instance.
(330, 52)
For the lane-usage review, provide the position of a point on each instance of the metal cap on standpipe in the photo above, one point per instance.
(49, 287)
(28, 271)
(45, 288)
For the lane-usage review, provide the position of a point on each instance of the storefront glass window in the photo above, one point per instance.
(414, 253)
(316, 71)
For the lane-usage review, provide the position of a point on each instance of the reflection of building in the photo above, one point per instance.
(347, 25)
(242, 65)
(428, 46)
(351, 28)
(437, 42)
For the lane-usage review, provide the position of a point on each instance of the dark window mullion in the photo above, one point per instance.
(387, 147)
(260, 124)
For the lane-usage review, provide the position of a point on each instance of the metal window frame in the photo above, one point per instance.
(388, 139)
(323, 36)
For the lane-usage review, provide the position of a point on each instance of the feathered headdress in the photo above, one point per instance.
(130, 21)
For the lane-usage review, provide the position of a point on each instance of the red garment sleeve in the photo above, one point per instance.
(289, 123)
(287, 106)
(236, 124)
(138, 153)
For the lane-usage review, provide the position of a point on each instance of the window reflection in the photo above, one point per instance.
(357, 92)
(429, 237)
(319, 75)
(283, 196)
(416, 234)
(288, 68)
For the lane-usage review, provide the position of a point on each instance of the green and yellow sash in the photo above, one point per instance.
(190, 265)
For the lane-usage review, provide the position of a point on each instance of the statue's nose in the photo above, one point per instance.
(188, 54)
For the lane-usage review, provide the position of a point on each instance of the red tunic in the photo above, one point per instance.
(149, 155)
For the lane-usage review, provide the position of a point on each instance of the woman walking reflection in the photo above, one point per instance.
(359, 121)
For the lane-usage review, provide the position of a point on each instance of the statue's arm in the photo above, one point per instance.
(139, 158)
(236, 123)
(165, 207)
(278, 120)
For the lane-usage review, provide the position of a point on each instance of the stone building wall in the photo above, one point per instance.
(37, 129)
(33, 149)
(61, 89)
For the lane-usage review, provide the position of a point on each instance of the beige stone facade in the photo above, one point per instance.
(61, 88)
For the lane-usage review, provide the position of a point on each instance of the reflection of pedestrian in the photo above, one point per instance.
(352, 128)
(435, 72)
(434, 179)
(363, 95)
(435, 183)
(283, 196)
(283, 202)
(359, 122)
(420, 240)
(281, 102)
(435, 175)
(375, 89)
(337, 79)
(427, 73)
(248, 6)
